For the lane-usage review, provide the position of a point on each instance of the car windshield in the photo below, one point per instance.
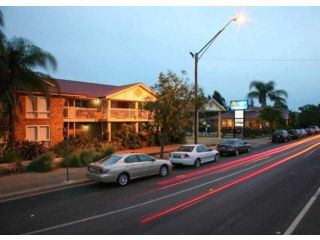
(112, 159)
(185, 148)
(278, 132)
(228, 142)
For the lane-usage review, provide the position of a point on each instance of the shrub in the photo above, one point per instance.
(72, 160)
(30, 150)
(9, 157)
(87, 156)
(42, 164)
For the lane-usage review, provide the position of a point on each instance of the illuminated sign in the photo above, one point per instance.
(238, 114)
(238, 122)
(239, 104)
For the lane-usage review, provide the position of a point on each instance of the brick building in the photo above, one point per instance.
(82, 107)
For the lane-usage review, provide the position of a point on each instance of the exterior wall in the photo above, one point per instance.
(137, 93)
(55, 121)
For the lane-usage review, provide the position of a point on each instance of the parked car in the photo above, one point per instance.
(303, 132)
(122, 168)
(280, 136)
(294, 133)
(233, 146)
(310, 131)
(315, 128)
(193, 155)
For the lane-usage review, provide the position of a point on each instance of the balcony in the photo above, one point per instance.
(129, 114)
(78, 114)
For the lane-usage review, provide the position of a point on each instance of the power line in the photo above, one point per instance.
(266, 59)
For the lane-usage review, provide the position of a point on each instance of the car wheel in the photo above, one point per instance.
(216, 158)
(236, 152)
(164, 171)
(197, 163)
(123, 179)
(249, 149)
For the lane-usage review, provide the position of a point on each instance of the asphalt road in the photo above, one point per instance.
(258, 193)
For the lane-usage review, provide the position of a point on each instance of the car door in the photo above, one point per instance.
(134, 166)
(150, 166)
(208, 153)
(200, 154)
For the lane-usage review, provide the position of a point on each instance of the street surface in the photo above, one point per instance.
(258, 193)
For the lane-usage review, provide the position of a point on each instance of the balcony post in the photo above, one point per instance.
(109, 131)
(108, 108)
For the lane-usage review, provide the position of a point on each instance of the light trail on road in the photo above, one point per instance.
(223, 167)
(211, 192)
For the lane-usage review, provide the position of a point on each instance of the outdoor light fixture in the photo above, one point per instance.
(240, 18)
(97, 101)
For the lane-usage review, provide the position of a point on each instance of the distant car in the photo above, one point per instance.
(294, 133)
(122, 168)
(303, 132)
(193, 155)
(310, 131)
(315, 128)
(233, 146)
(280, 136)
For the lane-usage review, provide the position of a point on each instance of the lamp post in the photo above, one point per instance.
(196, 56)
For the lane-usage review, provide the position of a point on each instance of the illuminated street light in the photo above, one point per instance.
(241, 18)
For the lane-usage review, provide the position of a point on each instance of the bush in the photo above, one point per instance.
(86, 157)
(42, 164)
(9, 157)
(30, 150)
(72, 160)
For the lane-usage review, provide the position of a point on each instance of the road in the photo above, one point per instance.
(258, 193)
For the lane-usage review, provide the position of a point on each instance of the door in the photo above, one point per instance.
(134, 166)
(150, 166)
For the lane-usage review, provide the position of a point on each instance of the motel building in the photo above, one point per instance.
(82, 107)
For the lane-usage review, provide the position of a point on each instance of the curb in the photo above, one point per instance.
(38, 191)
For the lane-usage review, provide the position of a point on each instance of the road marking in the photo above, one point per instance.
(306, 208)
(144, 203)
(140, 204)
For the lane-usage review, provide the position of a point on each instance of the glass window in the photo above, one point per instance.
(185, 149)
(132, 159)
(31, 133)
(145, 158)
(199, 149)
(112, 159)
(228, 142)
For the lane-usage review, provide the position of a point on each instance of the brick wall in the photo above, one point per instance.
(55, 121)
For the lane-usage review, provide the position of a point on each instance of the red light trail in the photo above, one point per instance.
(201, 197)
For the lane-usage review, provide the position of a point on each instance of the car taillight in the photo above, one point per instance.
(186, 155)
(103, 170)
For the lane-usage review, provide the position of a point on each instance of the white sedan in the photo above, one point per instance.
(193, 155)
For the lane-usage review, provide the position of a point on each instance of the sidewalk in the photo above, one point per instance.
(18, 185)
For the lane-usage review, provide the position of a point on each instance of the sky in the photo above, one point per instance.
(122, 45)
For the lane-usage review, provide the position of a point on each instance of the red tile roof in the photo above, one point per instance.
(88, 89)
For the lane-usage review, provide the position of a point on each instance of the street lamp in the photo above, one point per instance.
(241, 18)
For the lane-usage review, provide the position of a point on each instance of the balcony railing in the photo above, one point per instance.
(129, 114)
(81, 113)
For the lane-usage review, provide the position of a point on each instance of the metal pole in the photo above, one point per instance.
(66, 157)
(196, 98)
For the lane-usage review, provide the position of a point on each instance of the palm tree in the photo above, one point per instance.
(20, 58)
(262, 91)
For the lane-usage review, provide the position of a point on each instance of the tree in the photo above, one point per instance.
(273, 116)
(218, 97)
(19, 60)
(309, 115)
(262, 91)
(170, 114)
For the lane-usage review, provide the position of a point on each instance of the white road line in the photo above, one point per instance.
(140, 204)
(306, 208)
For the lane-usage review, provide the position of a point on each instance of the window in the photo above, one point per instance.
(38, 133)
(132, 159)
(37, 107)
(145, 158)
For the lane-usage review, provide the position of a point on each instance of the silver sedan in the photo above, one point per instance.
(121, 168)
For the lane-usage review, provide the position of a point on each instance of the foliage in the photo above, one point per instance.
(293, 119)
(87, 156)
(127, 138)
(171, 116)
(71, 160)
(309, 115)
(9, 157)
(218, 97)
(27, 150)
(19, 61)
(106, 152)
(273, 116)
(42, 164)
(262, 91)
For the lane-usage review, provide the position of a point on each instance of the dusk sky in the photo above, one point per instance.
(122, 45)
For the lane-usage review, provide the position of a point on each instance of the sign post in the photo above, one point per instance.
(239, 106)
(66, 143)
